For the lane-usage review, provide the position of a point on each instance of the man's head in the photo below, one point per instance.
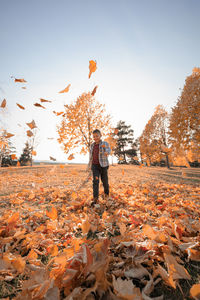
(97, 135)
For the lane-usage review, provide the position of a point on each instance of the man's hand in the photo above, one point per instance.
(106, 153)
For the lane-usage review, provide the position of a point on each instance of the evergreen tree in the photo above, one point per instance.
(125, 146)
(26, 156)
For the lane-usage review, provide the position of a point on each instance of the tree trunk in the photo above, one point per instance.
(167, 161)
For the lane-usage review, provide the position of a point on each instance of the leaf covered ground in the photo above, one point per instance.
(142, 243)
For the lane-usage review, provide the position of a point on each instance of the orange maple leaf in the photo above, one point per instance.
(52, 214)
(92, 67)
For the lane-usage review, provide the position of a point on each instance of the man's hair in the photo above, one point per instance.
(97, 131)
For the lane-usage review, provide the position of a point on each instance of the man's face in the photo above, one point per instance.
(96, 137)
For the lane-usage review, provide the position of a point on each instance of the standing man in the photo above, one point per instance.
(99, 164)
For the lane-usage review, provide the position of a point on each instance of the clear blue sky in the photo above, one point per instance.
(144, 51)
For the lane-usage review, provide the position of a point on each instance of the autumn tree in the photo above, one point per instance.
(78, 122)
(125, 146)
(6, 149)
(111, 139)
(154, 146)
(184, 126)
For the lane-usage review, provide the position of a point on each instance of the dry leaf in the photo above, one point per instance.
(195, 291)
(29, 133)
(39, 105)
(94, 90)
(20, 106)
(52, 158)
(52, 214)
(32, 125)
(70, 157)
(92, 67)
(44, 100)
(20, 80)
(3, 103)
(8, 135)
(66, 89)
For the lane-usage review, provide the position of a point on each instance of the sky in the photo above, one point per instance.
(144, 51)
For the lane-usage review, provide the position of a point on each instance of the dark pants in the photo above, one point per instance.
(97, 171)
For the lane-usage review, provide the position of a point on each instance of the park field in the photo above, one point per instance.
(141, 243)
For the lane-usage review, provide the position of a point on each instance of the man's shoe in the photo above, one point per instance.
(94, 202)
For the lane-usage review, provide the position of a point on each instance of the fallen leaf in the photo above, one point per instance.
(195, 291)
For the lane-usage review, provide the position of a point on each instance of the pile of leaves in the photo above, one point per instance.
(142, 243)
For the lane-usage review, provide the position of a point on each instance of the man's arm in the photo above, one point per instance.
(107, 149)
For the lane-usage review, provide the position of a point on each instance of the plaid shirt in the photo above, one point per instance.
(103, 159)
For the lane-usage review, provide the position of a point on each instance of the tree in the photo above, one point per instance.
(78, 122)
(26, 156)
(184, 127)
(154, 139)
(124, 149)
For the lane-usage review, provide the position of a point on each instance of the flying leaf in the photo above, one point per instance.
(20, 80)
(44, 100)
(94, 90)
(59, 113)
(39, 105)
(116, 131)
(8, 135)
(20, 106)
(34, 153)
(32, 125)
(66, 89)
(70, 157)
(51, 158)
(3, 103)
(23, 87)
(13, 156)
(92, 67)
(29, 133)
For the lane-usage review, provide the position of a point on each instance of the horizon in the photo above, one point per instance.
(144, 52)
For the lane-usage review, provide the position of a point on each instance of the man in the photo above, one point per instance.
(99, 164)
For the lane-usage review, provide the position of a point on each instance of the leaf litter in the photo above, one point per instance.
(142, 243)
